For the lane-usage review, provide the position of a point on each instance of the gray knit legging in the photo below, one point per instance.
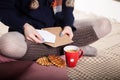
(12, 46)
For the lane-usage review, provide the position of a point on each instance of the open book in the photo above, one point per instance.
(53, 35)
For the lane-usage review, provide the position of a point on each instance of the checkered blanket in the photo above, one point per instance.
(106, 66)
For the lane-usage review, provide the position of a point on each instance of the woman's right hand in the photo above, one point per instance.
(31, 34)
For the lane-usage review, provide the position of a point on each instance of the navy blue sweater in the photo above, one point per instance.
(15, 13)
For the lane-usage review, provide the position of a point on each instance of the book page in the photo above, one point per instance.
(47, 36)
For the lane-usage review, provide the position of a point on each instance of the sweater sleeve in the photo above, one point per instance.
(11, 17)
(68, 17)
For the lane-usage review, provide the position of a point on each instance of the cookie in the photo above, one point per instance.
(44, 61)
(57, 61)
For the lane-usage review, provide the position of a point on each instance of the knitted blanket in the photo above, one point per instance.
(106, 66)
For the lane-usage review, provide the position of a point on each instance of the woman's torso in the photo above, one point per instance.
(42, 15)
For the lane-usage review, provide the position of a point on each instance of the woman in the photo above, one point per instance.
(25, 16)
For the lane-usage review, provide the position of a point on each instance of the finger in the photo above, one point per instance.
(62, 33)
(35, 39)
(28, 38)
(71, 35)
(39, 37)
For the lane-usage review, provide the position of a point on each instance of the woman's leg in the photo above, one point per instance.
(12, 44)
(39, 50)
(102, 27)
(89, 31)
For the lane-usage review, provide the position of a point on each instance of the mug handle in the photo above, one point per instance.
(80, 51)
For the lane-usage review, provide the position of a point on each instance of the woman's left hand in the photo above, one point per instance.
(68, 30)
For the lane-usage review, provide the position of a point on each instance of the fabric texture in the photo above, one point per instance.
(38, 50)
(39, 72)
(105, 66)
(5, 59)
(13, 70)
(84, 35)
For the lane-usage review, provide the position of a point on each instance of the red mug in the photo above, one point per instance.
(72, 55)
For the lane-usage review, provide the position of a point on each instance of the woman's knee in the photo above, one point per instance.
(106, 25)
(13, 45)
(102, 27)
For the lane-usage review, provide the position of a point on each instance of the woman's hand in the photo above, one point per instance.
(68, 30)
(31, 34)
